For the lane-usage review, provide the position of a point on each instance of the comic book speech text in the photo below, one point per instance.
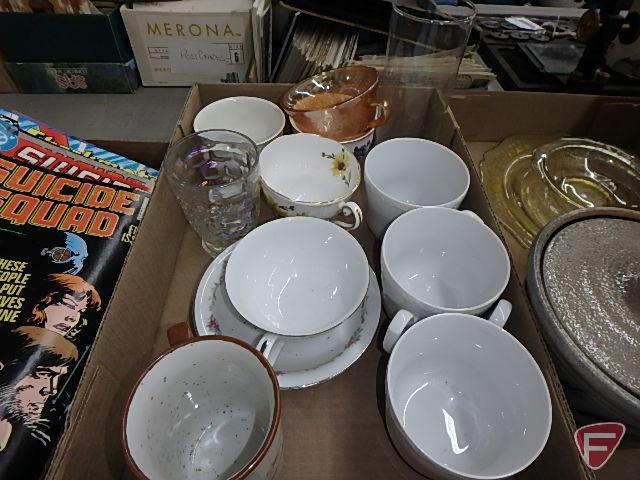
(13, 279)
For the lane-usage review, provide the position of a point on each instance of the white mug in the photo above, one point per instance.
(297, 276)
(312, 176)
(437, 260)
(464, 399)
(208, 407)
(257, 118)
(402, 174)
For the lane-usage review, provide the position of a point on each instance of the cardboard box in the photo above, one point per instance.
(75, 77)
(185, 42)
(6, 82)
(487, 118)
(332, 431)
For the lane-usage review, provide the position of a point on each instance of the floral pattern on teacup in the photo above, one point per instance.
(355, 338)
(340, 165)
(214, 327)
(361, 151)
(282, 210)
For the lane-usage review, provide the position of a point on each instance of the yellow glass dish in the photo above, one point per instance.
(589, 173)
(532, 179)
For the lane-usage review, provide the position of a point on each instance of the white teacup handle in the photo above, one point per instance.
(270, 346)
(350, 208)
(396, 328)
(500, 313)
(472, 215)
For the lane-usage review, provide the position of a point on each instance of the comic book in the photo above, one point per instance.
(64, 237)
(35, 143)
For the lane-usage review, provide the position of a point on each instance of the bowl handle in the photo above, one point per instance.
(501, 313)
(382, 114)
(179, 333)
(396, 328)
(270, 345)
(350, 208)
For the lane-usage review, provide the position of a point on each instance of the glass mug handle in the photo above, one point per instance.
(382, 114)
(350, 208)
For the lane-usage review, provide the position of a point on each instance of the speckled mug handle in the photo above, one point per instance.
(350, 208)
(270, 345)
(179, 333)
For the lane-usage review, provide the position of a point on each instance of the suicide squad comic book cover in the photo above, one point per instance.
(64, 236)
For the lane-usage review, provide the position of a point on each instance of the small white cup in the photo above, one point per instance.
(313, 176)
(407, 173)
(362, 145)
(438, 260)
(297, 276)
(464, 399)
(257, 118)
(359, 146)
(208, 407)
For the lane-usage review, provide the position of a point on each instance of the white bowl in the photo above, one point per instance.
(465, 399)
(257, 118)
(297, 276)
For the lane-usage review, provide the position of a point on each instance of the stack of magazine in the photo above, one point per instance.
(314, 46)
(69, 212)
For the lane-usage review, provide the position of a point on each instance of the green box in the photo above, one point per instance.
(44, 37)
(74, 77)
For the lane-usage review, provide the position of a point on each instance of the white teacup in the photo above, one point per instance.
(257, 118)
(464, 399)
(438, 260)
(208, 407)
(310, 175)
(407, 173)
(359, 146)
(297, 276)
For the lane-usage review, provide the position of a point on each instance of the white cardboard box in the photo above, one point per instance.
(181, 43)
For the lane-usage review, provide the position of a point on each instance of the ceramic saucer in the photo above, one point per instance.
(214, 314)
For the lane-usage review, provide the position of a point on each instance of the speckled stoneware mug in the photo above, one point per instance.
(208, 408)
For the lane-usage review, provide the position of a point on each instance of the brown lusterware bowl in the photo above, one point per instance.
(340, 104)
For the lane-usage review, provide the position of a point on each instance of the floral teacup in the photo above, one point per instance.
(309, 175)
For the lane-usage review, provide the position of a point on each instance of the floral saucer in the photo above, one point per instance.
(297, 366)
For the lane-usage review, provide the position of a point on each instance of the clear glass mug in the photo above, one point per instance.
(215, 177)
(427, 40)
(340, 104)
(426, 43)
